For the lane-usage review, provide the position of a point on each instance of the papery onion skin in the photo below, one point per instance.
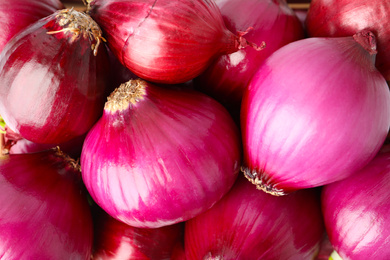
(52, 86)
(165, 41)
(250, 224)
(334, 18)
(271, 21)
(16, 15)
(357, 211)
(117, 240)
(44, 209)
(308, 119)
(164, 158)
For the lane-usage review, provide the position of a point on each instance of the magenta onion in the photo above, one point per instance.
(52, 86)
(16, 15)
(333, 18)
(249, 224)
(314, 113)
(44, 209)
(357, 211)
(271, 21)
(117, 240)
(165, 41)
(160, 156)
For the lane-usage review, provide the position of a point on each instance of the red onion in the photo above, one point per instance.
(272, 21)
(333, 18)
(165, 41)
(160, 156)
(357, 211)
(315, 112)
(16, 15)
(116, 240)
(249, 224)
(44, 209)
(52, 83)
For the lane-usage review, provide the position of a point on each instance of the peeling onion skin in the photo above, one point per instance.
(162, 159)
(335, 18)
(250, 224)
(16, 15)
(310, 120)
(44, 209)
(357, 211)
(164, 41)
(56, 92)
(117, 240)
(272, 21)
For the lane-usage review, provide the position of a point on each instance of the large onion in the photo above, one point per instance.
(165, 41)
(357, 211)
(315, 112)
(44, 209)
(53, 79)
(249, 224)
(160, 156)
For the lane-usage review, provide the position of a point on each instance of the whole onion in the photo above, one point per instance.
(315, 112)
(160, 156)
(165, 41)
(44, 209)
(249, 224)
(331, 18)
(16, 15)
(117, 240)
(272, 21)
(52, 78)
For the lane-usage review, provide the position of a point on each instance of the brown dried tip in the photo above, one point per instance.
(69, 161)
(79, 23)
(243, 43)
(257, 179)
(127, 93)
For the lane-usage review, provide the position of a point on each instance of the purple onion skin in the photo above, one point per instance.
(163, 160)
(308, 119)
(44, 209)
(16, 15)
(250, 224)
(117, 240)
(335, 18)
(52, 87)
(357, 211)
(273, 22)
(167, 42)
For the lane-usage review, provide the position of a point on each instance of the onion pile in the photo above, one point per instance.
(193, 129)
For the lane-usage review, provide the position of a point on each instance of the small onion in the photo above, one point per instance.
(16, 15)
(165, 41)
(249, 224)
(271, 21)
(357, 211)
(117, 240)
(160, 156)
(44, 208)
(315, 112)
(52, 86)
(334, 18)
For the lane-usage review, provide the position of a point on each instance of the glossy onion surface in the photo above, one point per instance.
(334, 18)
(160, 156)
(52, 86)
(272, 22)
(117, 240)
(250, 224)
(357, 211)
(314, 113)
(164, 41)
(44, 209)
(16, 15)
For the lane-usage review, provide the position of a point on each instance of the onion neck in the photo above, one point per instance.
(128, 93)
(79, 24)
(367, 40)
(239, 42)
(258, 179)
